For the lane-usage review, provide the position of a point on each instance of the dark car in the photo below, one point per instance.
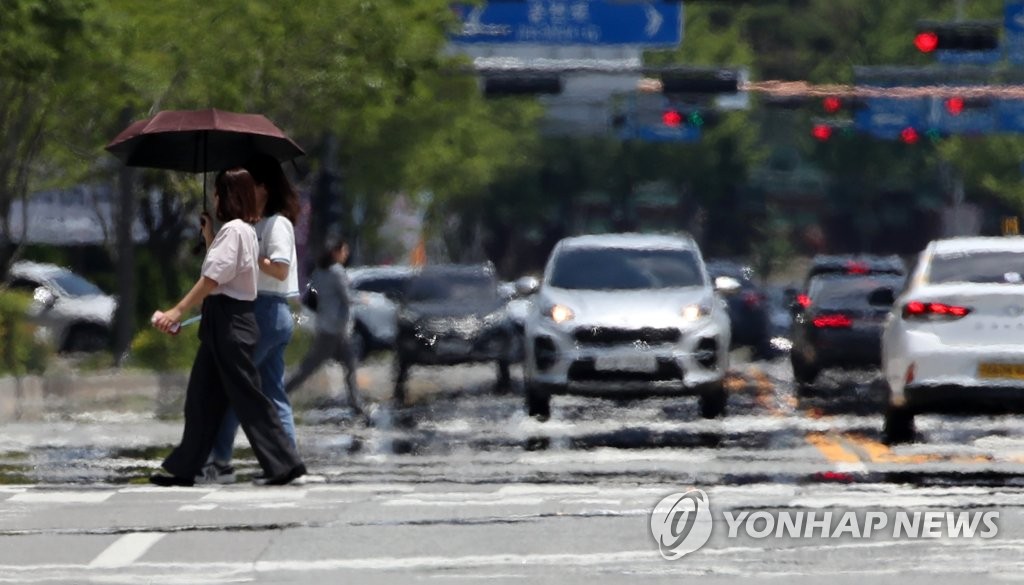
(841, 326)
(849, 264)
(748, 307)
(453, 315)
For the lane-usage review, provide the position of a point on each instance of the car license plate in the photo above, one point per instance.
(453, 346)
(626, 363)
(1005, 371)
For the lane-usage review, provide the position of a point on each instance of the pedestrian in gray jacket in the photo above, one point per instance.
(333, 322)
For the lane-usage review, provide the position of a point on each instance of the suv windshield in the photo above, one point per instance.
(982, 266)
(625, 269)
(75, 285)
(451, 287)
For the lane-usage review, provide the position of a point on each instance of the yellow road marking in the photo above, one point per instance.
(880, 453)
(832, 449)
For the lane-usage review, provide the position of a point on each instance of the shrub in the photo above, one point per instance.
(153, 350)
(21, 352)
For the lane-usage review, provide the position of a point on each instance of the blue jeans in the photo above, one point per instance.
(275, 322)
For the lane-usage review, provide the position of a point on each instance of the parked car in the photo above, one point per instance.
(72, 314)
(626, 315)
(451, 315)
(953, 341)
(841, 327)
(375, 304)
(748, 307)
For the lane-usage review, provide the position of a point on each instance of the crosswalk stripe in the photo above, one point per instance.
(126, 550)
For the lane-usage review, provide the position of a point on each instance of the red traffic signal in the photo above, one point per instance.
(832, 104)
(955, 105)
(909, 136)
(926, 41)
(821, 132)
(672, 118)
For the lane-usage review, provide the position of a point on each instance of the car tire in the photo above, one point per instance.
(713, 401)
(899, 425)
(87, 338)
(402, 367)
(504, 383)
(538, 401)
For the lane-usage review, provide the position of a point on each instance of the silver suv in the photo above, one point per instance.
(622, 316)
(72, 313)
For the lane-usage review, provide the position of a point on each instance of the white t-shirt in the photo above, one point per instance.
(231, 261)
(277, 242)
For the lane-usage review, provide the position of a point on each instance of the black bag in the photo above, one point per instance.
(309, 298)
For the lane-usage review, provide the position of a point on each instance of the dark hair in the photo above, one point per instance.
(236, 196)
(332, 245)
(281, 196)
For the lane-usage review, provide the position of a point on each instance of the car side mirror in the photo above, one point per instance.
(527, 286)
(727, 284)
(44, 297)
(882, 297)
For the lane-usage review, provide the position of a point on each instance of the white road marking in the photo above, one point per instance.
(126, 550)
(197, 507)
(47, 497)
(268, 494)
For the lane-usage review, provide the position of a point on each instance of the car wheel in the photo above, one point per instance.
(899, 425)
(538, 402)
(87, 338)
(713, 401)
(401, 376)
(803, 373)
(358, 343)
(504, 383)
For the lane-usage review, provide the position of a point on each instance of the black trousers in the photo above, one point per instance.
(326, 347)
(224, 373)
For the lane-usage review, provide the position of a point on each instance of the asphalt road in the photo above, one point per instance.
(462, 487)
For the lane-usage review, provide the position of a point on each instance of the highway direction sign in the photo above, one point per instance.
(650, 23)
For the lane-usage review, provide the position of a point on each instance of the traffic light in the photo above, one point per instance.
(957, 105)
(957, 36)
(909, 135)
(700, 81)
(822, 132)
(831, 104)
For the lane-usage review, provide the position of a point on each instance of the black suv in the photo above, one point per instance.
(842, 328)
(453, 315)
(748, 307)
(841, 325)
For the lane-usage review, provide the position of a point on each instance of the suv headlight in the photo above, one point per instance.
(695, 311)
(560, 313)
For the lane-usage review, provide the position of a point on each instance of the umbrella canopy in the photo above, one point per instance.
(198, 141)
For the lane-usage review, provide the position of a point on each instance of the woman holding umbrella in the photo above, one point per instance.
(223, 373)
(278, 281)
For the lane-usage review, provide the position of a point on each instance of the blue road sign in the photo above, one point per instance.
(648, 23)
(1013, 31)
(888, 117)
(1009, 115)
(656, 133)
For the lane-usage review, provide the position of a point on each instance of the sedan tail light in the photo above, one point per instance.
(835, 321)
(933, 311)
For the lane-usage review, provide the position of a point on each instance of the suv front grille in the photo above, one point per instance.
(618, 335)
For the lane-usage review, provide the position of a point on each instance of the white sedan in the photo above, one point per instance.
(954, 341)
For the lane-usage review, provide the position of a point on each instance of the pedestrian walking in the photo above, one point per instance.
(277, 283)
(333, 322)
(223, 373)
